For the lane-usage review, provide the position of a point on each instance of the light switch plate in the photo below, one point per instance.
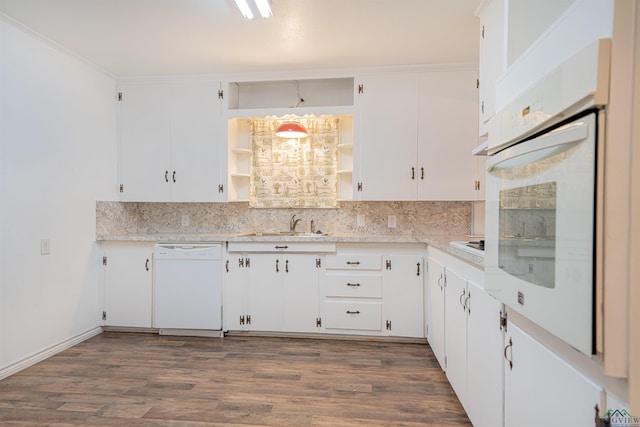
(360, 220)
(185, 220)
(391, 221)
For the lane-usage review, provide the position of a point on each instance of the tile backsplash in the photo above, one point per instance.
(137, 218)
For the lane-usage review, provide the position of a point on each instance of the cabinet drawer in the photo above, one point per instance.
(353, 262)
(353, 315)
(353, 285)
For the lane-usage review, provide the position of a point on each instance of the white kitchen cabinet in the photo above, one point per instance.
(542, 389)
(369, 289)
(492, 57)
(144, 117)
(484, 358)
(472, 336)
(403, 308)
(447, 123)
(128, 284)
(300, 302)
(436, 301)
(275, 292)
(234, 293)
(351, 290)
(387, 134)
(455, 314)
(415, 133)
(264, 292)
(170, 145)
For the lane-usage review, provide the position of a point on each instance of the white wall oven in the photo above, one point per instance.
(542, 208)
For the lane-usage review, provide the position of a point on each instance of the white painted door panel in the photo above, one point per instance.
(195, 140)
(456, 332)
(436, 301)
(484, 358)
(128, 284)
(447, 132)
(387, 136)
(299, 293)
(403, 295)
(543, 390)
(145, 136)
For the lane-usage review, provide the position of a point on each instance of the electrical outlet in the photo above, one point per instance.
(185, 220)
(45, 247)
(391, 221)
(360, 220)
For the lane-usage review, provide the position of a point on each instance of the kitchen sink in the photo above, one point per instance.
(282, 234)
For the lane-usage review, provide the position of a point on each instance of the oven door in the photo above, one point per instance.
(539, 249)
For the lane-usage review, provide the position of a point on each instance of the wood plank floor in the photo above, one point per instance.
(129, 379)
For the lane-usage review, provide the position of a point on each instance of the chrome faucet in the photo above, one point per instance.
(293, 222)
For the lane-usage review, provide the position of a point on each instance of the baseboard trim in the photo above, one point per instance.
(47, 352)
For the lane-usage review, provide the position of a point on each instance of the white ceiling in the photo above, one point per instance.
(160, 37)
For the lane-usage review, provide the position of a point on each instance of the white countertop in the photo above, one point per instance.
(441, 242)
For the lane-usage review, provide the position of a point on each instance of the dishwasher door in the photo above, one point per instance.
(188, 286)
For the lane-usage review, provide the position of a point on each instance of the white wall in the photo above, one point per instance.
(58, 153)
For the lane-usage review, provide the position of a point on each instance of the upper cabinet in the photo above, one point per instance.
(292, 95)
(492, 58)
(414, 136)
(170, 141)
(387, 136)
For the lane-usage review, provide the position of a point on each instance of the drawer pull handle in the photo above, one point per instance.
(282, 247)
(353, 262)
(510, 345)
(353, 284)
(146, 265)
(353, 312)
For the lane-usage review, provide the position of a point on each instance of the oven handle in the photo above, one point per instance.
(539, 148)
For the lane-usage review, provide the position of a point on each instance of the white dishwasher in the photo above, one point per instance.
(188, 288)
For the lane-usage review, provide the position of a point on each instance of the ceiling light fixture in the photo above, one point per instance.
(291, 130)
(250, 9)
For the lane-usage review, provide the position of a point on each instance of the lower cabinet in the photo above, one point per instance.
(271, 292)
(466, 336)
(351, 289)
(541, 389)
(128, 284)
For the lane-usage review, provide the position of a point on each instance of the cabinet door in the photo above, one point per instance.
(436, 300)
(455, 336)
(446, 135)
(264, 292)
(491, 61)
(234, 292)
(299, 293)
(128, 284)
(541, 389)
(387, 136)
(195, 142)
(403, 288)
(484, 358)
(145, 135)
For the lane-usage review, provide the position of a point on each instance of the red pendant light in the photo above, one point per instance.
(291, 130)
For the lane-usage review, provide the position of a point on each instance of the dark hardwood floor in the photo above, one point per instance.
(129, 379)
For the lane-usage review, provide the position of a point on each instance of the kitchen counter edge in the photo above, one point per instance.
(440, 242)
